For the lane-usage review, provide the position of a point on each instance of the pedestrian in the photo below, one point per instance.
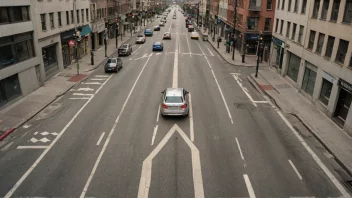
(228, 46)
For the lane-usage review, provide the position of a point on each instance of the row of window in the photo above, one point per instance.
(290, 34)
(347, 15)
(16, 48)
(240, 3)
(341, 51)
(295, 4)
(69, 20)
(14, 14)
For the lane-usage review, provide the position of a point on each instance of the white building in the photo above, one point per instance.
(19, 55)
(312, 47)
(56, 27)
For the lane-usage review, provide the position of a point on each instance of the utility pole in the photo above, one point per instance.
(198, 13)
(234, 30)
(76, 34)
(117, 24)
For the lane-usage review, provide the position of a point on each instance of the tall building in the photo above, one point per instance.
(312, 47)
(20, 59)
(56, 28)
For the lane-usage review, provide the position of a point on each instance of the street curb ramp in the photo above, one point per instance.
(310, 129)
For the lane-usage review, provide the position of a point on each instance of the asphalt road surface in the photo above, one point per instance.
(106, 138)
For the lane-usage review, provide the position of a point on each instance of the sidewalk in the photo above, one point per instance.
(27, 107)
(337, 141)
(250, 60)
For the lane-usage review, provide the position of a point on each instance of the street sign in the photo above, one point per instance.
(71, 43)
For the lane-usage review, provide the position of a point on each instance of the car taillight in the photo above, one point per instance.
(183, 106)
(164, 106)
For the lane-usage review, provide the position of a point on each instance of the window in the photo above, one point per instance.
(87, 15)
(304, 6)
(269, 4)
(311, 40)
(316, 8)
(72, 17)
(14, 14)
(51, 17)
(293, 37)
(342, 51)
(82, 13)
(173, 99)
(283, 5)
(294, 63)
(288, 29)
(77, 14)
(347, 18)
(252, 23)
(289, 5)
(59, 19)
(320, 43)
(296, 6)
(10, 89)
(15, 49)
(278, 4)
(267, 24)
(309, 79)
(282, 25)
(325, 91)
(49, 59)
(300, 34)
(324, 11)
(329, 46)
(335, 10)
(67, 18)
(42, 19)
(276, 25)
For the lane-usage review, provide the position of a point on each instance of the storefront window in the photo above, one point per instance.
(309, 80)
(325, 91)
(293, 67)
(49, 58)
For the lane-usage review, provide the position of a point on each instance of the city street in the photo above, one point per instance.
(106, 138)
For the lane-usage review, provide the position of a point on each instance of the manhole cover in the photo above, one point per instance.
(239, 105)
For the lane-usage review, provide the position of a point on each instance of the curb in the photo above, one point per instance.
(312, 131)
(8, 132)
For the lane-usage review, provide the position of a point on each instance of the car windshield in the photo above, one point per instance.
(124, 46)
(173, 99)
(112, 60)
(157, 43)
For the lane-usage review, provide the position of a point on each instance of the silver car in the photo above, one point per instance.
(174, 102)
(113, 65)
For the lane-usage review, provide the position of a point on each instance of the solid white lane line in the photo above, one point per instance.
(81, 94)
(189, 48)
(295, 169)
(191, 126)
(136, 50)
(32, 147)
(210, 51)
(154, 133)
(79, 98)
(222, 95)
(112, 131)
(239, 148)
(158, 114)
(249, 186)
(25, 175)
(101, 137)
(175, 70)
(245, 90)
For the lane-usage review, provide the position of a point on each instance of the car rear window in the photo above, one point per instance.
(173, 99)
(111, 60)
(124, 46)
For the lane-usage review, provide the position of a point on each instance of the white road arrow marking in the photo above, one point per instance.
(45, 133)
(146, 176)
(85, 89)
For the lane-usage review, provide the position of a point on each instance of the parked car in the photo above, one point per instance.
(194, 35)
(113, 65)
(140, 39)
(148, 32)
(158, 46)
(175, 102)
(190, 28)
(156, 28)
(125, 49)
(167, 35)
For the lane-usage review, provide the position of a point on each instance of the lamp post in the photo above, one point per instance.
(105, 41)
(259, 53)
(77, 35)
(117, 24)
(234, 30)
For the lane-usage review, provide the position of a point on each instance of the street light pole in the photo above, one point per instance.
(76, 34)
(198, 13)
(117, 24)
(234, 30)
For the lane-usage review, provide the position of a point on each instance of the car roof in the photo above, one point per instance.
(173, 92)
(158, 43)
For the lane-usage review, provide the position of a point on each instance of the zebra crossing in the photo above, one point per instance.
(87, 91)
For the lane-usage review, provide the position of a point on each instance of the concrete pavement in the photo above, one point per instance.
(337, 141)
(106, 138)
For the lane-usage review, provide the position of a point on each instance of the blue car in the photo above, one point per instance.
(148, 32)
(158, 46)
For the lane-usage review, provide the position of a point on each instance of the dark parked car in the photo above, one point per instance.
(125, 49)
(156, 28)
(113, 65)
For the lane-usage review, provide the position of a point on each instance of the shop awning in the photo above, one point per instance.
(86, 30)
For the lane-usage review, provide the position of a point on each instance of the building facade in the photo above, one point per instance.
(98, 13)
(312, 48)
(20, 59)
